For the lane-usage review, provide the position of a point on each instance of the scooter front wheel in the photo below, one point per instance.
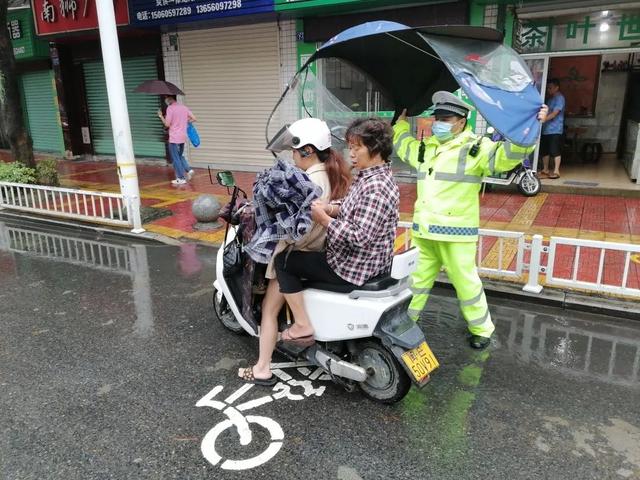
(387, 381)
(529, 184)
(224, 313)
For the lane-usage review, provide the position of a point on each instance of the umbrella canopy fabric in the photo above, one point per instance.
(158, 87)
(410, 64)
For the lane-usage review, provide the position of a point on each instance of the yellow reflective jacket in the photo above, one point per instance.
(449, 180)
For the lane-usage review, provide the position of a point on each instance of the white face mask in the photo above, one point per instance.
(167, 102)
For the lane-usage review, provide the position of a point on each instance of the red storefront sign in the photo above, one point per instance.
(60, 16)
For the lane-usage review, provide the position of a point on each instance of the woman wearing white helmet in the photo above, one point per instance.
(309, 140)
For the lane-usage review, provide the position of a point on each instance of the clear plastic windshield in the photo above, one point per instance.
(491, 64)
(343, 95)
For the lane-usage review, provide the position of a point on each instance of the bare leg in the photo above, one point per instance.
(556, 161)
(271, 306)
(302, 325)
(545, 164)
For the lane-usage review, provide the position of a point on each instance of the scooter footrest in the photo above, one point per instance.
(292, 350)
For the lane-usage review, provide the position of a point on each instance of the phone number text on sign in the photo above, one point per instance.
(211, 7)
(218, 6)
(169, 13)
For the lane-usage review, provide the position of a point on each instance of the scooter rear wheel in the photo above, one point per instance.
(388, 382)
(224, 314)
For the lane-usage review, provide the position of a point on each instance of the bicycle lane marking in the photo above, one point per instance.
(235, 418)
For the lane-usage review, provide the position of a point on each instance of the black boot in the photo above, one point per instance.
(478, 342)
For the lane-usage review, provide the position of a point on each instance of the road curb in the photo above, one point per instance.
(552, 297)
(148, 236)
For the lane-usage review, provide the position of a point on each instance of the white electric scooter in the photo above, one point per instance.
(364, 337)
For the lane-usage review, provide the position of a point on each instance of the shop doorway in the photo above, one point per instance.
(600, 146)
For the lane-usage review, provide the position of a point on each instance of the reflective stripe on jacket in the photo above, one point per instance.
(449, 180)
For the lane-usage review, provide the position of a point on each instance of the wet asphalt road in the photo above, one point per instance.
(106, 346)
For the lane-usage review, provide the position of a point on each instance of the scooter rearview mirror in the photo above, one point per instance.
(225, 178)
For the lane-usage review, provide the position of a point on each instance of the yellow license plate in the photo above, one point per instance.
(421, 361)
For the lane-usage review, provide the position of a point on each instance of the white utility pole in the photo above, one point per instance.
(125, 159)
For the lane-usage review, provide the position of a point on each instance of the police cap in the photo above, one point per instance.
(446, 103)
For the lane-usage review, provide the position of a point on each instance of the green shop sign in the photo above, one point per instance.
(25, 45)
(328, 6)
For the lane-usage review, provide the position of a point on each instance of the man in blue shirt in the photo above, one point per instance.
(551, 139)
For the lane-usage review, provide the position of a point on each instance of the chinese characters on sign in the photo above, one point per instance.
(580, 32)
(59, 16)
(534, 36)
(585, 26)
(66, 7)
(629, 27)
(15, 32)
(48, 12)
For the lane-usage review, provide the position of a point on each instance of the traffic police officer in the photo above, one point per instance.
(450, 167)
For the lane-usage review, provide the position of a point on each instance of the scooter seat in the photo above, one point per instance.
(381, 282)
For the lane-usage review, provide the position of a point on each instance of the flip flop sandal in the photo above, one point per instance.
(554, 176)
(304, 341)
(247, 377)
(543, 175)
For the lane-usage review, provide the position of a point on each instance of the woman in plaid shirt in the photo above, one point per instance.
(361, 229)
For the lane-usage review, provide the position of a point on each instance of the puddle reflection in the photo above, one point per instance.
(571, 343)
(127, 260)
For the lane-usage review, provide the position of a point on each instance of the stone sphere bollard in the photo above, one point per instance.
(206, 209)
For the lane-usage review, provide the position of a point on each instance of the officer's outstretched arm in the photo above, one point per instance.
(502, 156)
(404, 144)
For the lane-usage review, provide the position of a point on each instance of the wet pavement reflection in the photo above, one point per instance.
(107, 344)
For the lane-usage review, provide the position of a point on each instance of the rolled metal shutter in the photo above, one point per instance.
(231, 77)
(146, 128)
(43, 115)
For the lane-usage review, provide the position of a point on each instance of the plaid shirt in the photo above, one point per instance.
(360, 240)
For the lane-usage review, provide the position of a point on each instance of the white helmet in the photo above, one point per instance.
(308, 131)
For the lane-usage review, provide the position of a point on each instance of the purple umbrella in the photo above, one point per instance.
(158, 87)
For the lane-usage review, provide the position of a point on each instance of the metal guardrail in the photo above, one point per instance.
(96, 207)
(614, 262)
(505, 249)
(510, 255)
(500, 252)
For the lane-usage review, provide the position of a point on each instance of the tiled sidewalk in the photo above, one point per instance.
(614, 219)
(580, 216)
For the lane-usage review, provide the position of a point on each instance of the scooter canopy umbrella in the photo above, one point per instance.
(158, 87)
(410, 64)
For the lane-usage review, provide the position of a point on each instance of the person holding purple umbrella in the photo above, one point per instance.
(176, 120)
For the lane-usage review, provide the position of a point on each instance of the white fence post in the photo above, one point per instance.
(118, 110)
(533, 285)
